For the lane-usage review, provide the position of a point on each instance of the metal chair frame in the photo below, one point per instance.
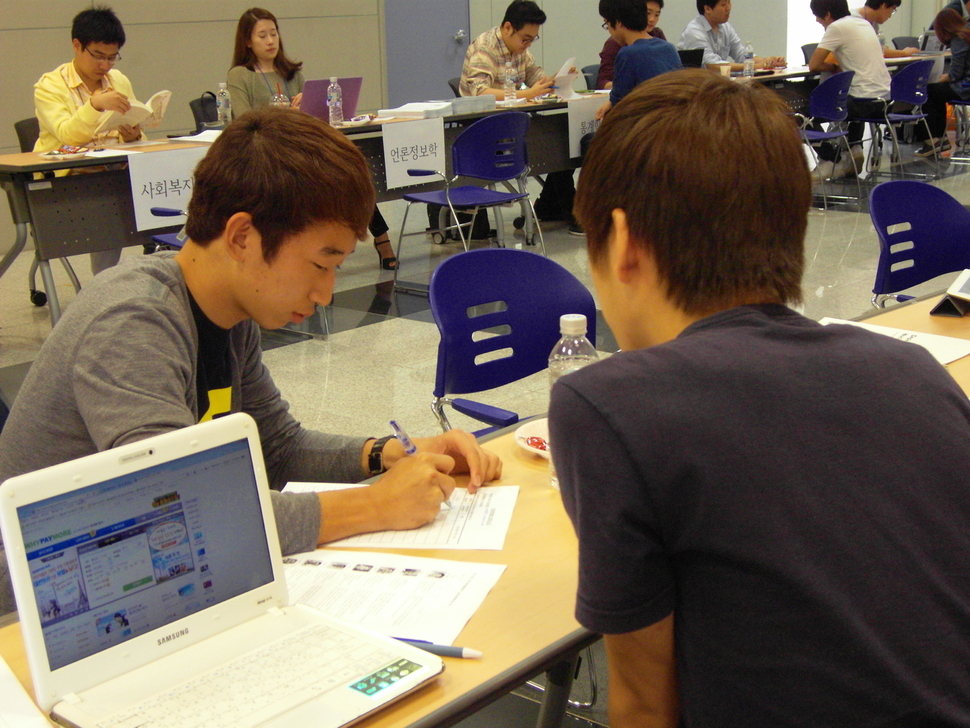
(492, 149)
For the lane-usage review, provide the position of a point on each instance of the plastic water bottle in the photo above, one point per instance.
(748, 61)
(572, 352)
(224, 105)
(509, 81)
(335, 102)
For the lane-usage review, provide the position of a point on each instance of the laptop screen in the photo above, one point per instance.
(128, 555)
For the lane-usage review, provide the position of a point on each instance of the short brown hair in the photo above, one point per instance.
(714, 183)
(288, 170)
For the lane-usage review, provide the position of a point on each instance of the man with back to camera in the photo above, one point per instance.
(711, 31)
(641, 55)
(604, 78)
(877, 12)
(757, 547)
(70, 100)
(856, 48)
(165, 341)
(484, 73)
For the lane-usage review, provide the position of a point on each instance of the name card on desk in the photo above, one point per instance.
(418, 144)
(582, 119)
(162, 179)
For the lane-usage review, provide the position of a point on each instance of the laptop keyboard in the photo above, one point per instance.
(261, 684)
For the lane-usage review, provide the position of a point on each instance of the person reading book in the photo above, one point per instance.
(70, 101)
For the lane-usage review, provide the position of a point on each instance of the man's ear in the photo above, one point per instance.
(626, 255)
(78, 48)
(242, 237)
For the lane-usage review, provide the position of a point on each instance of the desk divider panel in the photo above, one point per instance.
(84, 213)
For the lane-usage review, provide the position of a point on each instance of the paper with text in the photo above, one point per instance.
(418, 144)
(563, 81)
(945, 349)
(162, 179)
(478, 521)
(399, 596)
(581, 114)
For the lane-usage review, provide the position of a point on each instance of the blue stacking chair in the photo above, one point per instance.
(168, 241)
(492, 149)
(923, 233)
(497, 311)
(909, 87)
(827, 102)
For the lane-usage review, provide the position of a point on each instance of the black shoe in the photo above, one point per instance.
(576, 229)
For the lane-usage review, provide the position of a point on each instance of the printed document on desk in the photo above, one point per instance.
(478, 521)
(564, 80)
(945, 349)
(399, 596)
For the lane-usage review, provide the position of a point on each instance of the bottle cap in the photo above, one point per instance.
(333, 79)
(222, 84)
(572, 324)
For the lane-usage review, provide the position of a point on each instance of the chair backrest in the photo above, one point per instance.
(500, 302)
(905, 41)
(923, 233)
(27, 132)
(455, 85)
(909, 83)
(493, 148)
(828, 100)
(591, 72)
(204, 109)
(808, 50)
(693, 58)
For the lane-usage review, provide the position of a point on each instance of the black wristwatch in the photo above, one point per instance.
(375, 460)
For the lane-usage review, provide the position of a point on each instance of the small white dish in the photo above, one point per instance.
(533, 428)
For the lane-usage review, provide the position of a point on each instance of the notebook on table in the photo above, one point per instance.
(151, 593)
(314, 101)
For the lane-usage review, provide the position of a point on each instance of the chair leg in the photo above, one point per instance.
(53, 304)
(461, 231)
(400, 240)
(438, 407)
(538, 227)
(71, 274)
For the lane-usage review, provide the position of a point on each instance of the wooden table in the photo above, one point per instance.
(524, 627)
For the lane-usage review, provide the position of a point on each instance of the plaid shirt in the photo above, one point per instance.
(485, 65)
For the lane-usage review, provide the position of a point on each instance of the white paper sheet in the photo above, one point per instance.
(945, 349)
(206, 137)
(17, 710)
(478, 521)
(582, 119)
(400, 596)
(111, 151)
(418, 144)
(162, 179)
(564, 80)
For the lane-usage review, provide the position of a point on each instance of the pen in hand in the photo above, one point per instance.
(409, 448)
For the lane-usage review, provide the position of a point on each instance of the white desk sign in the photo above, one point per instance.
(582, 119)
(162, 179)
(418, 144)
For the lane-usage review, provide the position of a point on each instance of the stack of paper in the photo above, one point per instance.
(419, 110)
(473, 104)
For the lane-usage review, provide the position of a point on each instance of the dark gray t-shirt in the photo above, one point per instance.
(799, 497)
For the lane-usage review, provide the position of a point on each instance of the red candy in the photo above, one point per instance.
(538, 443)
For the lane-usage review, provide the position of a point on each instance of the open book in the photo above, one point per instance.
(148, 115)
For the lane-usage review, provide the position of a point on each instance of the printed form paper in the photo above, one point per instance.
(17, 710)
(399, 596)
(478, 521)
(945, 349)
(563, 81)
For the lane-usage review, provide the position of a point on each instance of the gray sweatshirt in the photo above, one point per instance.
(120, 366)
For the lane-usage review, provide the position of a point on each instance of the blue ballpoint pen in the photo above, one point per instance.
(409, 448)
(442, 650)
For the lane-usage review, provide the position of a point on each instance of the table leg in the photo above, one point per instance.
(559, 681)
(52, 303)
(16, 249)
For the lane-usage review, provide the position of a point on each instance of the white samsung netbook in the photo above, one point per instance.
(150, 589)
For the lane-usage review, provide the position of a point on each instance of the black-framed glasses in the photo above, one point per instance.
(104, 59)
(606, 25)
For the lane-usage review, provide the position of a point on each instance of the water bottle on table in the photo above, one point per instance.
(335, 102)
(509, 81)
(748, 61)
(223, 105)
(572, 352)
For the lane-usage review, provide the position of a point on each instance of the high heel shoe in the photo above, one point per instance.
(390, 262)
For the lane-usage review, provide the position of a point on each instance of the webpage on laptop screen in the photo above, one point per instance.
(120, 558)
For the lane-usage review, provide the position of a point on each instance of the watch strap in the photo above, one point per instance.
(375, 460)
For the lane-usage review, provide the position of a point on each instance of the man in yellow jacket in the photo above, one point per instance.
(71, 99)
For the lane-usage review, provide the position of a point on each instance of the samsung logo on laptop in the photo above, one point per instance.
(173, 636)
